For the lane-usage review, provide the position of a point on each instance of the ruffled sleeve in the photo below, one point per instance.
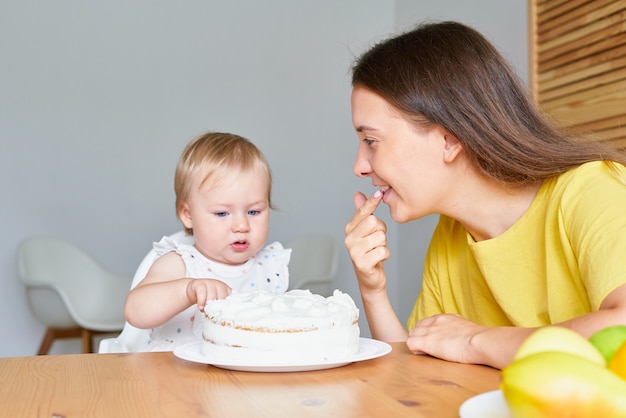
(165, 246)
(275, 260)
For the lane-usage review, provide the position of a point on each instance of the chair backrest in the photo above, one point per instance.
(131, 337)
(93, 297)
(313, 263)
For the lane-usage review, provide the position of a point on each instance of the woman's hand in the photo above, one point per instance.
(445, 336)
(366, 242)
(454, 338)
(199, 291)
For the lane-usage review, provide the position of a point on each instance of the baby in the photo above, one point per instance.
(223, 198)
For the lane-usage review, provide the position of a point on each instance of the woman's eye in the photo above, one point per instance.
(368, 141)
(221, 214)
(253, 212)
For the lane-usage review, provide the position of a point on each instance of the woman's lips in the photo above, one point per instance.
(385, 190)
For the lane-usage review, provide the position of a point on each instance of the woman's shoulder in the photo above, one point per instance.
(594, 170)
(588, 188)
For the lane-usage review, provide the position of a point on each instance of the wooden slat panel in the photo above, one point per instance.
(609, 38)
(615, 134)
(583, 52)
(608, 56)
(594, 76)
(581, 16)
(591, 110)
(547, 83)
(578, 65)
(552, 9)
(607, 124)
(597, 86)
(594, 32)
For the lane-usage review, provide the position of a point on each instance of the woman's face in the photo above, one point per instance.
(408, 163)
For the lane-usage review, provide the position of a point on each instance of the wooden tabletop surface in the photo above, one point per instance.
(398, 384)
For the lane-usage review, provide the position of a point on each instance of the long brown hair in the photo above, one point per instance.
(448, 74)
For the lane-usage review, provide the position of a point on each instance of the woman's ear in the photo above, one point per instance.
(185, 215)
(452, 147)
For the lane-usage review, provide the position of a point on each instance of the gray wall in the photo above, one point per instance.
(97, 100)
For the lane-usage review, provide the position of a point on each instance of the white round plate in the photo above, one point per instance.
(486, 405)
(368, 349)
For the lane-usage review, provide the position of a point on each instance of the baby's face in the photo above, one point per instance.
(230, 216)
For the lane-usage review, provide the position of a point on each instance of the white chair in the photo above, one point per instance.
(69, 292)
(131, 337)
(313, 263)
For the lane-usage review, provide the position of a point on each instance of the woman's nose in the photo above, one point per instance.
(362, 167)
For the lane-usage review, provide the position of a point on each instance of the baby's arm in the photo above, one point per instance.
(165, 292)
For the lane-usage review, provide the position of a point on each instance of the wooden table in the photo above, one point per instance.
(399, 384)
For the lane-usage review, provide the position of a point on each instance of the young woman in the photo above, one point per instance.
(532, 227)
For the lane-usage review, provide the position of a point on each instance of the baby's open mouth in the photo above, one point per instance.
(240, 245)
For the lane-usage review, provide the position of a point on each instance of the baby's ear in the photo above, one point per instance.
(185, 216)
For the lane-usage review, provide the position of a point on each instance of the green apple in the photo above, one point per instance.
(556, 338)
(608, 340)
(558, 384)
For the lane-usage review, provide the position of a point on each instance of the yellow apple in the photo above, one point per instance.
(559, 384)
(556, 338)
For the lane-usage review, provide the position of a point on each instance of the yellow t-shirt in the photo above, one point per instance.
(558, 261)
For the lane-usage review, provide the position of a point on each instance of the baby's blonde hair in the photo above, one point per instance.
(216, 155)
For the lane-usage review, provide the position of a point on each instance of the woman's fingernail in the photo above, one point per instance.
(377, 193)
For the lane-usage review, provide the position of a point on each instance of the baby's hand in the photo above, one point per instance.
(199, 291)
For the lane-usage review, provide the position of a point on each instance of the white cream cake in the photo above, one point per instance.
(294, 326)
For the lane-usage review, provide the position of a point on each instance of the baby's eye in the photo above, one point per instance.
(253, 212)
(221, 214)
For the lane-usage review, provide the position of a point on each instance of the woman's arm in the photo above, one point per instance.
(382, 319)
(454, 338)
(366, 242)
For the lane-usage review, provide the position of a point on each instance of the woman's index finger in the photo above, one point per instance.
(369, 206)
